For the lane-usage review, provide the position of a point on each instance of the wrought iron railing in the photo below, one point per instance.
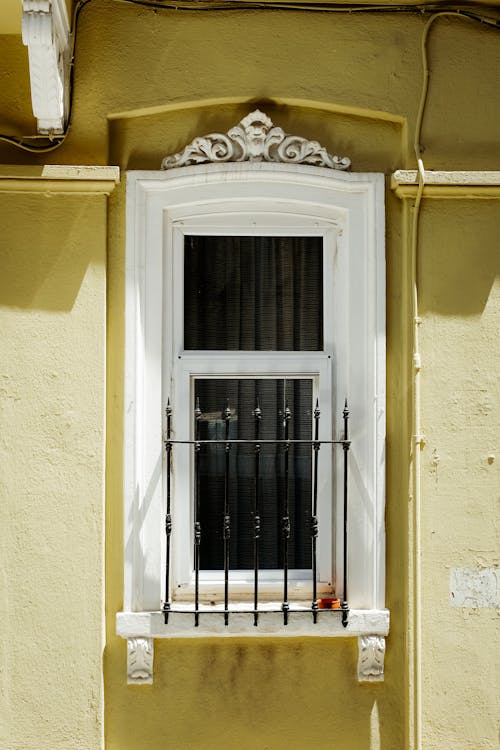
(286, 443)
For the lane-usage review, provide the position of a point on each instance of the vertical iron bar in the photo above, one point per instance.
(227, 518)
(314, 519)
(168, 517)
(197, 525)
(285, 522)
(346, 445)
(256, 516)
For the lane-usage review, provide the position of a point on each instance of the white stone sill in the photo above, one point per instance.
(211, 623)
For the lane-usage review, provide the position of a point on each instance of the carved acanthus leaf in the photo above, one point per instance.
(255, 139)
(371, 658)
(140, 661)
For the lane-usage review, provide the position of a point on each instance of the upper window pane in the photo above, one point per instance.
(253, 293)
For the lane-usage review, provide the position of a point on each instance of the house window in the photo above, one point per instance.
(248, 312)
(254, 294)
(252, 285)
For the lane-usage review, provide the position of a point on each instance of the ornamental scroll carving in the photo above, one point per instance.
(371, 658)
(140, 661)
(255, 139)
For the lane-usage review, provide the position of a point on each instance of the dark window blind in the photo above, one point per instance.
(253, 293)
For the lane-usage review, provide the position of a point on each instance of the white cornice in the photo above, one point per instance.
(46, 33)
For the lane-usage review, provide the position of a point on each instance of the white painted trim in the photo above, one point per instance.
(371, 654)
(181, 624)
(353, 203)
(140, 654)
(46, 33)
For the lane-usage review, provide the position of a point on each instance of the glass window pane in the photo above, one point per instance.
(243, 394)
(253, 293)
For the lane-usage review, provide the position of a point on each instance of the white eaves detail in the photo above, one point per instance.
(46, 33)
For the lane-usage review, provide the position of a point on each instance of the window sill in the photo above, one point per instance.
(370, 626)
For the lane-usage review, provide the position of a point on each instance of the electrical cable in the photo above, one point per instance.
(56, 140)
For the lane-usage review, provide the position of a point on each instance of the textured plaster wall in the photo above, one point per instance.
(460, 274)
(145, 84)
(52, 381)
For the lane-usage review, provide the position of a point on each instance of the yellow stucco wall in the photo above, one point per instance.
(52, 410)
(145, 84)
(460, 305)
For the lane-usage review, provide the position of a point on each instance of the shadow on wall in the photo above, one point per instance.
(269, 694)
(459, 257)
(140, 140)
(48, 242)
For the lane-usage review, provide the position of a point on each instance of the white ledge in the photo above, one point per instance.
(211, 624)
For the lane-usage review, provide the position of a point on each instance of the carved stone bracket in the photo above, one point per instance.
(46, 33)
(140, 653)
(371, 658)
(255, 139)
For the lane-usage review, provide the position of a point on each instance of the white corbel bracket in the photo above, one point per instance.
(140, 653)
(371, 658)
(46, 33)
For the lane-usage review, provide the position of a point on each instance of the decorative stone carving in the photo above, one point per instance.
(140, 661)
(371, 658)
(255, 139)
(46, 33)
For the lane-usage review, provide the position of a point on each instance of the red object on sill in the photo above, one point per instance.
(329, 602)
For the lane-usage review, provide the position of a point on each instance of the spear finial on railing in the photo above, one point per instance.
(168, 516)
(346, 446)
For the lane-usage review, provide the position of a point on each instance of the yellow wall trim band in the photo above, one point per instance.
(442, 184)
(58, 178)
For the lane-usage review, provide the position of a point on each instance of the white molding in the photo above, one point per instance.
(356, 201)
(46, 33)
(140, 652)
(255, 139)
(361, 623)
(371, 658)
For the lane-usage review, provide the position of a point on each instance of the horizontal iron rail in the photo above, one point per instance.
(214, 610)
(258, 442)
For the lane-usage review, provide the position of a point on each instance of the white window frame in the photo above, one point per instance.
(181, 367)
(351, 205)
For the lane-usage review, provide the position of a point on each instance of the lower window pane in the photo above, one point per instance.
(272, 395)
